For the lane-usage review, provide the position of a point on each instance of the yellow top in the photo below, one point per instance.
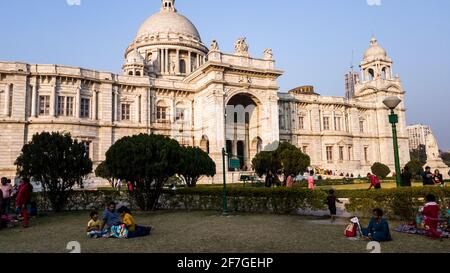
(94, 224)
(128, 220)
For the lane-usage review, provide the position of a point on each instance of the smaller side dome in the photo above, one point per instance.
(135, 58)
(375, 51)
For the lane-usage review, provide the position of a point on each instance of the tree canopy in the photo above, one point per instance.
(194, 164)
(147, 161)
(286, 159)
(57, 162)
(380, 170)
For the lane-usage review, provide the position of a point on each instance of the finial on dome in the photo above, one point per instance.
(168, 5)
(373, 41)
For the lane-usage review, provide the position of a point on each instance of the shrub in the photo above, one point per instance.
(400, 203)
(380, 170)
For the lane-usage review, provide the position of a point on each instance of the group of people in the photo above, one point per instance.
(271, 180)
(429, 178)
(21, 195)
(115, 224)
(378, 228)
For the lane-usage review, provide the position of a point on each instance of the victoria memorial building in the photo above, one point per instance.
(173, 84)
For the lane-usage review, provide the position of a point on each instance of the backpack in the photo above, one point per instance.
(351, 230)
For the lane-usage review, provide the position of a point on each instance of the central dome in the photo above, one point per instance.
(168, 20)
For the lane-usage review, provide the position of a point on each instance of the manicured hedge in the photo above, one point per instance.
(400, 203)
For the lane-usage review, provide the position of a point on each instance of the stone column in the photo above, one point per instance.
(166, 61)
(7, 91)
(333, 117)
(177, 63)
(78, 103)
(189, 64)
(136, 102)
(116, 103)
(94, 105)
(160, 61)
(53, 96)
(34, 99)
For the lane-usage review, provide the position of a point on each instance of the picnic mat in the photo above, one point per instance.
(410, 229)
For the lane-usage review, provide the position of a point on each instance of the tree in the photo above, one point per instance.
(264, 162)
(294, 161)
(57, 162)
(415, 167)
(380, 170)
(194, 164)
(103, 171)
(419, 154)
(147, 161)
(286, 159)
(446, 157)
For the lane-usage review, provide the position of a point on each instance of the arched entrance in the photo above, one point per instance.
(242, 126)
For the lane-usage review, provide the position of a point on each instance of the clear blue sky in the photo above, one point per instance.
(312, 40)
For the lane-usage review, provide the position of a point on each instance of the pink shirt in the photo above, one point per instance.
(6, 190)
(290, 182)
(311, 182)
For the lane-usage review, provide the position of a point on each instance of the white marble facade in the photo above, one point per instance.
(172, 84)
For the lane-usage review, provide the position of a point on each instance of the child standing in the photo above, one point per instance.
(311, 180)
(331, 201)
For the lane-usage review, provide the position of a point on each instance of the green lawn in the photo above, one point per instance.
(196, 232)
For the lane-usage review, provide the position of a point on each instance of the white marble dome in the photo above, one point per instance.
(168, 21)
(135, 58)
(375, 51)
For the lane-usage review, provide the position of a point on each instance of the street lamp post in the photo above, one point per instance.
(224, 156)
(392, 103)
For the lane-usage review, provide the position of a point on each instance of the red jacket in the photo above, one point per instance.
(431, 211)
(24, 194)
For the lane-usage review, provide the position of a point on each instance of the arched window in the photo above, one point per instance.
(180, 112)
(204, 144)
(371, 74)
(182, 66)
(130, 73)
(138, 73)
(384, 73)
(162, 112)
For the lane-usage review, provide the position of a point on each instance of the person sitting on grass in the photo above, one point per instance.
(93, 227)
(110, 217)
(133, 229)
(430, 214)
(378, 229)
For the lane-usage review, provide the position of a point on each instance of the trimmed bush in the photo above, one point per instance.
(380, 170)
